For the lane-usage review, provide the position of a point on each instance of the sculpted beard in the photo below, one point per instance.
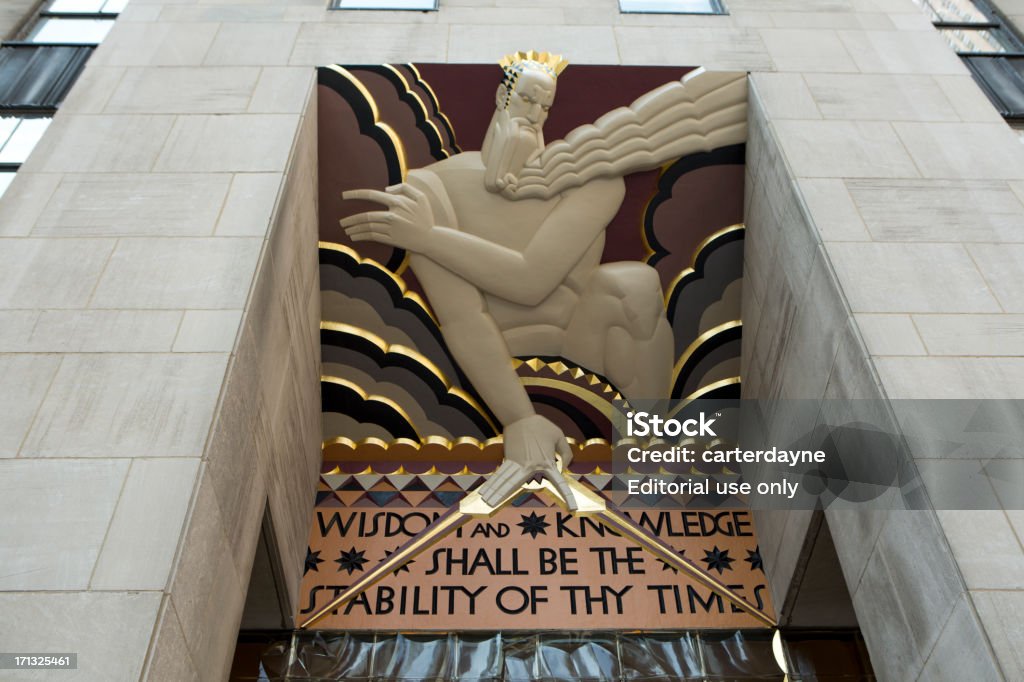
(510, 144)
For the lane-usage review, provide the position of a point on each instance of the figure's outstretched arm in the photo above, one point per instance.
(525, 277)
(475, 340)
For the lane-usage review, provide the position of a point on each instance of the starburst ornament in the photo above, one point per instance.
(403, 567)
(534, 525)
(351, 561)
(665, 566)
(755, 560)
(718, 560)
(312, 561)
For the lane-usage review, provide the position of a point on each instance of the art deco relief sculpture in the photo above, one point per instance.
(507, 244)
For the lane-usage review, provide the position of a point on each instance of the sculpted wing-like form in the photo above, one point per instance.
(701, 112)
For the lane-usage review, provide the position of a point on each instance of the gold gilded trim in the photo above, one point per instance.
(712, 237)
(559, 367)
(347, 75)
(402, 471)
(387, 130)
(437, 102)
(422, 106)
(386, 347)
(367, 397)
(369, 440)
(399, 282)
(648, 251)
(399, 147)
(696, 254)
(404, 265)
(701, 392)
(447, 443)
(416, 357)
(698, 342)
(586, 396)
(704, 390)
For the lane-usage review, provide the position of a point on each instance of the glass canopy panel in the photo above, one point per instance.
(76, 31)
(1004, 82)
(671, 6)
(76, 6)
(6, 178)
(7, 126)
(23, 140)
(954, 11)
(975, 40)
(386, 4)
(579, 656)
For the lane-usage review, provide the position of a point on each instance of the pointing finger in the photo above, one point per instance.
(505, 473)
(369, 228)
(562, 485)
(379, 237)
(503, 484)
(373, 195)
(495, 478)
(563, 448)
(372, 225)
(368, 217)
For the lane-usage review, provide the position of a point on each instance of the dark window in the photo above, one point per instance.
(67, 29)
(421, 5)
(18, 136)
(672, 6)
(37, 72)
(111, 7)
(38, 77)
(989, 46)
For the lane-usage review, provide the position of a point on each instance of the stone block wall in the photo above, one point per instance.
(158, 342)
(802, 341)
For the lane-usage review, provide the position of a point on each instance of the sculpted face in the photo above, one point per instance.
(517, 128)
(532, 98)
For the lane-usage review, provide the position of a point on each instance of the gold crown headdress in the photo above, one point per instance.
(514, 64)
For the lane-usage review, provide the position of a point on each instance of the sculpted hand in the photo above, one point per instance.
(530, 447)
(507, 185)
(406, 224)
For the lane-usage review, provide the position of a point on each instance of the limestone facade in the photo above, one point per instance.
(159, 313)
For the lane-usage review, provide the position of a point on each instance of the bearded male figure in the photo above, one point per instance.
(507, 243)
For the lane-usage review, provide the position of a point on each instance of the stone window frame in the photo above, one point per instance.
(999, 72)
(58, 64)
(382, 5)
(658, 7)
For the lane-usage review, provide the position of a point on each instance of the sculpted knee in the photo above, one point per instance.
(636, 290)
